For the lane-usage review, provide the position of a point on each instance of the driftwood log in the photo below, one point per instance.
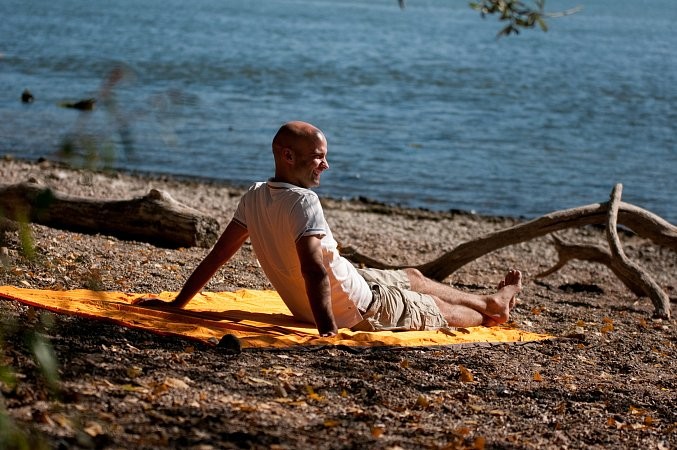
(594, 253)
(629, 269)
(155, 218)
(642, 222)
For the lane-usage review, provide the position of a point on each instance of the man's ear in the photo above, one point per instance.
(288, 154)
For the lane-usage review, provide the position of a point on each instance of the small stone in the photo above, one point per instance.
(58, 175)
(4, 256)
(230, 345)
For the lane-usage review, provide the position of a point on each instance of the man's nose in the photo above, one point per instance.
(325, 164)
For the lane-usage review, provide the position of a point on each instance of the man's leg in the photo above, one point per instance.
(463, 309)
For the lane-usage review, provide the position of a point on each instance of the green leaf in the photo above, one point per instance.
(7, 377)
(46, 358)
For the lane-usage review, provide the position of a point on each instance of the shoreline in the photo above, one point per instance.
(233, 186)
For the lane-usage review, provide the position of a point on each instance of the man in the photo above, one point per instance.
(284, 220)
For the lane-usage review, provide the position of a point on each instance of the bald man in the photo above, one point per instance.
(284, 220)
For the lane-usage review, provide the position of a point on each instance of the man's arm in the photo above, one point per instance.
(318, 287)
(230, 241)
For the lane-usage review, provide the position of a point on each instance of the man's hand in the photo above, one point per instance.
(149, 301)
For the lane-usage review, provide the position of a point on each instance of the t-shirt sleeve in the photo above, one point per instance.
(308, 218)
(239, 215)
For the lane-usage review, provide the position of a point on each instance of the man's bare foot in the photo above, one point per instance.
(512, 277)
(500, 304)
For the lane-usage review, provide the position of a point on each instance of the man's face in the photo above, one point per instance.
(310, 160)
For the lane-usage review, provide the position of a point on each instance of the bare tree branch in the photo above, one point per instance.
(628, 268)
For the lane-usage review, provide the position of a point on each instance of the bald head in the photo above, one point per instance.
(296, 134)
(300, 151)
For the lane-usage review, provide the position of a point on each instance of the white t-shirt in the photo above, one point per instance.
(276, 216)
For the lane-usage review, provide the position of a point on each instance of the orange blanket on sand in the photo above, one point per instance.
(259, 319)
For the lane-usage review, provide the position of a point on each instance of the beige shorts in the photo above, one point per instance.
(395, 307)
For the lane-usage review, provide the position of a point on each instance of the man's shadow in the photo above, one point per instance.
(271, 323)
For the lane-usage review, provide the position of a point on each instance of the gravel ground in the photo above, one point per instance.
(608, 381)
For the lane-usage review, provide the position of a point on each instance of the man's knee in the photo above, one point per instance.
(416, 278)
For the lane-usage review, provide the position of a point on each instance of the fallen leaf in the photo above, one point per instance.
(313, 395)
(537, 377)
(247, 407)
(63, 421)
(422, 401)
(160, 389)
(462, 431)
(254, 380)
(466, 375)
(377, 430)
(93, 429)
(331, 423)
(42, 417)
(134, 371)
(479, 443)
(635, 411)
(175, 383)
(131, 388)
(609, 327)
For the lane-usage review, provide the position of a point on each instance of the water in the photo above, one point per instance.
(422, 107)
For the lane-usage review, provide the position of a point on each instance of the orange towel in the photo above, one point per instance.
(259, 319)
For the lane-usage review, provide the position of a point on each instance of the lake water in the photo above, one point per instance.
(422, 107)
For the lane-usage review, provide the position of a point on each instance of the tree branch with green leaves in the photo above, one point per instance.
(518, 14)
